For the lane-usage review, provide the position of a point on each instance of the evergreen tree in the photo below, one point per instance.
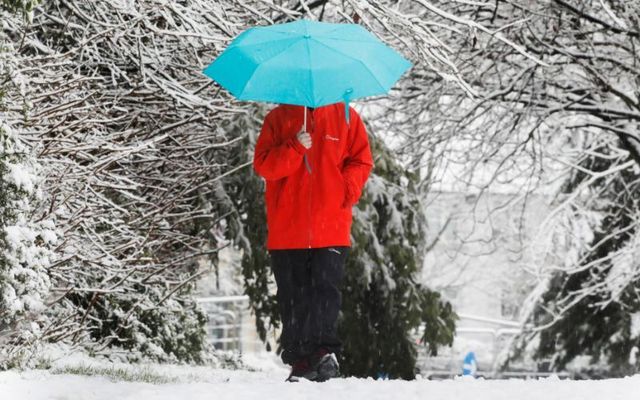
(383, 305)
(593, 308)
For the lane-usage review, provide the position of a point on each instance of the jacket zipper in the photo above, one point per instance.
(310, 179)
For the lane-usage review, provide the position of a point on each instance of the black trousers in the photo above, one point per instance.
(309, 298)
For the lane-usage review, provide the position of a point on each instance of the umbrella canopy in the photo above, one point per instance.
(307, 63)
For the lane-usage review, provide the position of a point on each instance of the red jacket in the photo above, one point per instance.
(311, 209)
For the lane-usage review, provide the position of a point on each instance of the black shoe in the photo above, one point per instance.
(325, 364)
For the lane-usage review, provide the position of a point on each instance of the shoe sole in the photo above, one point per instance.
(311, 376)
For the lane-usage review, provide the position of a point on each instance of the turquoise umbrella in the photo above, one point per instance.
(307, 63)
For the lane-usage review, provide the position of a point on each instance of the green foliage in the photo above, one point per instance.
(599, 324)
(136, 321)
(25, 7)
(383, 305)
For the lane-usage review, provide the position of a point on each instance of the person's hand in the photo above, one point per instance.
(304, 138)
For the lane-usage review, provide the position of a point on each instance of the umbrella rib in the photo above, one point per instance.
(354, 59)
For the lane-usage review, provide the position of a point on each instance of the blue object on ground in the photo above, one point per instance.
(470, 366)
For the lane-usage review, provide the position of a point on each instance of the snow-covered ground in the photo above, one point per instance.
(169, 382)
(237, 385)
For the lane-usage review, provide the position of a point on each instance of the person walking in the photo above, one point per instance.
(313, 178)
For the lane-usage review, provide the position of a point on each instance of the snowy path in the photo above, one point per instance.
(239, 385)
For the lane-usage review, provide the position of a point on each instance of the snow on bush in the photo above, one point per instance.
(25, 244)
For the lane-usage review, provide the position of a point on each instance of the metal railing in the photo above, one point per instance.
(494, 334)
(230, 325)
